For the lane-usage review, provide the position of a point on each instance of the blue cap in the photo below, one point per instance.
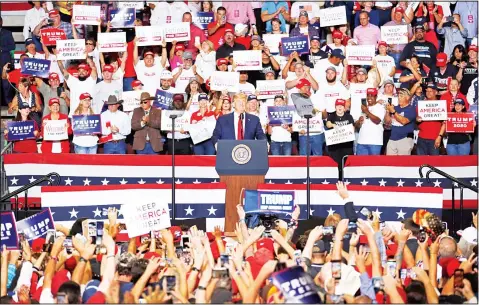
(459, 101)
(23, 105)
(252, 97)
(202, 96)
(90, 289)
(315, 38)
(337, 53)
(28, 41)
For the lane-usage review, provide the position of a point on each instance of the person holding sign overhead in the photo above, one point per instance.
(205, 147)
(338, 119)
(146, 123)
(27, 145)
(116, 125)
(238, 125)
(61, 146)
(85, 144)
(148, 70)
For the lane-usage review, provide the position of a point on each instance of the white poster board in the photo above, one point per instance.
(131, 100)
(394, 34)
(112, 42)
(248, 60)
(150, 35)
(315, 124)
(432, 110)
(179, 31)
(55, 130)
(71, 49)
(332, 16)
(358, 92)
(221, 80)
(142, 218)
(272, 41)
(270, 88)
(86, 14)
(339, 134)
(180, 123)
(360, 55)
(203, 130)
(139, 5)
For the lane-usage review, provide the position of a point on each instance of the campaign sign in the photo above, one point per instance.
(432, 110)
(202, 19)
(141, 218)
(276, 200)
(18, 130)
(360, 55)
(396, 34)
(163, 99)
(122, 18)
(177, 31)
(201, 131)
(248, 60)
(70, 49)
(138, 5)
(339, 134)
(333, 16)
(279, 115)
(37, 225)
(180, 123)
(270, 88)
(50, 36)
(299, 44)
(86, 124)
(36, 67)
(273, 41)
(316, 124)
(55, 130)
(86, 14)
(460, 122)
(221, 80)
(149, 35)
(8, 227)
(112, 42)
(131, 100)
(473, 109)
(296, 285)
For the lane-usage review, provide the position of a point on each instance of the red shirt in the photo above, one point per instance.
(196, 116)
(65, 144)
(129, 67)
(190, 45)
(26, 146)
(218, 37)
(429, 130)
(246, 41)
(450, 99)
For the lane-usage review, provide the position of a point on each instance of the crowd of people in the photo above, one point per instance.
(356, 260)
(439, 62)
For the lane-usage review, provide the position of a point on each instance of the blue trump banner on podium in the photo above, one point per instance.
(8, 226)
(86, 124)
(35, 67)
(18, 130)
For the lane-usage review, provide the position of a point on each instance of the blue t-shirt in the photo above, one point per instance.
(271, 7)
(398, 131)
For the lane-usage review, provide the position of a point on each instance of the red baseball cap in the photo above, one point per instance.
(108, 68)
(382, 43)
(337, 34)
(176, 232)
(37, 245)
(372, 91)
(53, 76)
(83, 66)
(303, 82)
(340, 102)
(179, 47)
(53, 13)
(441, 59)
(228, 31)
(266, 243)
(222, 61)
(148, 53)
(472, 47)
(399, 9)
(85, 95)
(150, 254)
(53, 100)
(136, 83)
(70, 264)
(59, 278)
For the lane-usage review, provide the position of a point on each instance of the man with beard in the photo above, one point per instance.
(430, 132)
(182, 138)
(53, 90)
(108, 86)
(329, 93)
(370, 125)
(87, 76)
(182, 75)
(423, 49)
(226, 50)
(166, 79)
(334, 60)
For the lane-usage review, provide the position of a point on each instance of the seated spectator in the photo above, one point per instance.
(453, 31)
(27, 145)
(62, 146)
(86, 144)
(280, 135)
(458, 143)
(304, 27)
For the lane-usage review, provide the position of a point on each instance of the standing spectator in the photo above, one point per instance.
(207, 6)
(206, 60)
(167, 11)
(217, 28)
(116, 126)
(149, 70)
(370, 126)
(413, 74)
(182, 138)
(468, 71)
(311, 8)
(205, 147)
(26, 96)
(27, 145)
(276, 27)
(196, 34)
(223, 107)
(398, 19)
(193, 91)
(430, 132)
(226, 50)
(401, 118)
(182, 75)
(334, 60)
(384, 63)
(473, 92)
(366, 33)
(425, 50)
(108, 86)
(130, 74)
(55, 147)
(33, 17)
(86, 144)
(458, 56)
(241, 31)
(331, 90)
(269, 65)
(384, 11)
(442, 74)
(340, 118)
(373, 14)
(166, 79)
(431, 12)
(57, 24)
(453, 31)
(176, 54)
(31, 50)
(53, 89)
(280, 135)
(7, 46)
(468, 11)
(240, 12)
(337, 41)
(146, 123)
(316, 54)
(304, 27)
(459, 144)
(275, 10)
(452, 94)
(244, 86)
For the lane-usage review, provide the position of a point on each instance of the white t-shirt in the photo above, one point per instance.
(167, 13)
(150, 76)
(279, 134)
(385, 64)
(311, 7)
(247, 88)
(370, 133)
(103, 90)
(37, 55)
(341, 47)
(195, 105)
(54, 68)
(357, 92)
(319, 71)
(184, 79)
(327, 96)
(78, 87)
(292, 76)
(382, 97)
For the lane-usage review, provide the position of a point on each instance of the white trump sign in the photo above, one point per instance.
(150, 35)
(394, 34)
(224, 81)
(270, 88)
(112, 42)
(339, 134)
(142, 218)
(332, 16)
(86, 14)
(55, 130)
(131, 100)
(177, 31)
(248, 60)
(360, 55)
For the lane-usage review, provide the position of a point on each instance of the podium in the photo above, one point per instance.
(241, 165)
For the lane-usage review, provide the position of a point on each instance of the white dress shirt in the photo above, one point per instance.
(32, 18)
(118, 119)
(236, 119)
(167, 13)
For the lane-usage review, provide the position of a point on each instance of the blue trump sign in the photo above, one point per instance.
(36, 67)
(8, 227)
(473, 109)
(86, 124)
(279, 115)
(163, 99)
(296, 285)
(20, 130)
(269, 201)
(36, 225)
(202, 19)
(122, 18)
(299, 44)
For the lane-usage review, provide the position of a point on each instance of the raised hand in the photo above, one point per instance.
(342, 190)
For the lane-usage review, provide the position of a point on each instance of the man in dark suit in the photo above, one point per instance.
(146, 123)
(238, 125)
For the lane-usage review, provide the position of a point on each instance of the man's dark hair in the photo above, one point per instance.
(221, 8)
(73, 292)
(138, 269)
(417, 59)
(416, 293)
(125, 264)
(187, 13)
(409, 224)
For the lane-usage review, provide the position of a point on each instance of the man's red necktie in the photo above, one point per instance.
(240, 135)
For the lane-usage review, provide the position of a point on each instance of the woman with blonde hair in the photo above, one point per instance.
(206, 59)
(86, 144)
(25, 96)
(223, 107)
